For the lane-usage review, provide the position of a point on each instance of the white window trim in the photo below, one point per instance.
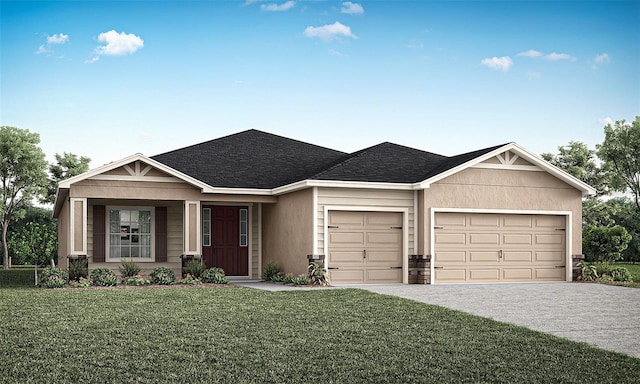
(568, 234)
(107, 242)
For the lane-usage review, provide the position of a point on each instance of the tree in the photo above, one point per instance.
(22, 175)
(30, 214)
(36, 243)
(579, 161)
(67, 165)
(605, 243)
(620, 151)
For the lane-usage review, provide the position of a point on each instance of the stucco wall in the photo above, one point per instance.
(503, 189)
(63, 236)
(287, 231)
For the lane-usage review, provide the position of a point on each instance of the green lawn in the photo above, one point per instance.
(634, 269)
(240, 335)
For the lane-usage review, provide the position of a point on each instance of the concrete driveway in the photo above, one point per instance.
(601, 315)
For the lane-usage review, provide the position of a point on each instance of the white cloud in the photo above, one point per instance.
(602, 59)
(351, 8)
(58, 38)
(43, 49)
(606, 121)
(329, 31)
(530, 53)
(249, 2)
(118, 44)
(278, 7)
(558, 56)
(501, 63)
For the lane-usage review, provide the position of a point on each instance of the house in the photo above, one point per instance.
(379, 215)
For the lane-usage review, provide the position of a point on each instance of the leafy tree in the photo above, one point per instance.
(22, 175)
(29, 214)
(619, 151)
(67, 165)
(579, 161)
(605, 243)
(36, 243)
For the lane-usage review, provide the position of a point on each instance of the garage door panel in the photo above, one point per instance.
(347, 238)
(382, 220)
(451, 238)
(484, 238)
(488, 220)
(352, 257)
(384, 238)
(517, 238)
(446, 257)
(346, 220)
(522, 248)
(391, 257)
(489, 274)
(384, 275)
(483, 257)
(517, 274)
(451, 275)
(517, 256)
(451, 220)
(346, 276)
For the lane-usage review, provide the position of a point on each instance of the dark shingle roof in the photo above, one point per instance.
(256, 159)
(251, 159)
(386, 162)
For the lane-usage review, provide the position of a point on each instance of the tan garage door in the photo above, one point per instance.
(478, 247)
(365, 247)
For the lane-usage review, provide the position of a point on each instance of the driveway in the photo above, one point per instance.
(601, 315)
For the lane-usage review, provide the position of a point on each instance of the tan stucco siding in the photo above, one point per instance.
(288, 231)
(145, 190)
(63, 236)
(78, 226)
(495, 189)
(364, 199)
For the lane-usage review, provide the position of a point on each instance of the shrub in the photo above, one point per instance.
(137, 280)
(317, 274)
(53, 277)
(103, 277)
(82, 282)
(188, 279)
(78, 269)
(619, 273)
(128, 269)
(195, 268)
(588, 272)
(605, 272)
(163, 276)
(300, 280)
(270, 269)
(215, 276)
(605, 243)
(288, 278)
(278, 278)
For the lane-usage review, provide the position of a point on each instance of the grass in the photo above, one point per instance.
(239, 335)
(634, 269)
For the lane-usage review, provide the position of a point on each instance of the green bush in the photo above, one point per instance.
(195, 268)
(270, 269)
(188, 279)
(619, 273)
(317, 274)
(588, 272)
(288, 278)
(128, 269)
(300, 280)
(78, 269)
(82, 282)
(163, 276)
(137, 280)
(103, 277)
(278, 278)
(215, 276)
(605, 243)
(53, 277)
(605, 272)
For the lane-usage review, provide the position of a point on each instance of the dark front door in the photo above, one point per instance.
(225, 239)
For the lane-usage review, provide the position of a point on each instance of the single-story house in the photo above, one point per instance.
(380, 215)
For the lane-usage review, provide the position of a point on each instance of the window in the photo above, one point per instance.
(206, 227)
(244, 226)
(130, 233)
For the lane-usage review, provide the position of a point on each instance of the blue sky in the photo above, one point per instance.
(109, 79)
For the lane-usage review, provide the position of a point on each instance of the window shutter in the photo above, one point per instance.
(99, 235)
(161, 234)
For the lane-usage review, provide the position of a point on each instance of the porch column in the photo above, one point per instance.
(192, 231)
(78, 226)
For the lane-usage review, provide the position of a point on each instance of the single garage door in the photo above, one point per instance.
(364, 247)
(478, 247)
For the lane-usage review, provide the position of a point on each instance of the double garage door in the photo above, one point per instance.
(478, 247)
(364, 247)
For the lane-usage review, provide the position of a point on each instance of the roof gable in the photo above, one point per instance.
(251, 159)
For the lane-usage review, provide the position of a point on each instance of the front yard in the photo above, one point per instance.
(240, 335)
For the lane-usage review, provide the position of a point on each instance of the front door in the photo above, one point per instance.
(225, 239)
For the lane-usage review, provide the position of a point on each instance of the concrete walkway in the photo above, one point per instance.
(601, 315)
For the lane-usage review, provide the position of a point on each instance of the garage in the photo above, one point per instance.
(495, 247)
(365, 247)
